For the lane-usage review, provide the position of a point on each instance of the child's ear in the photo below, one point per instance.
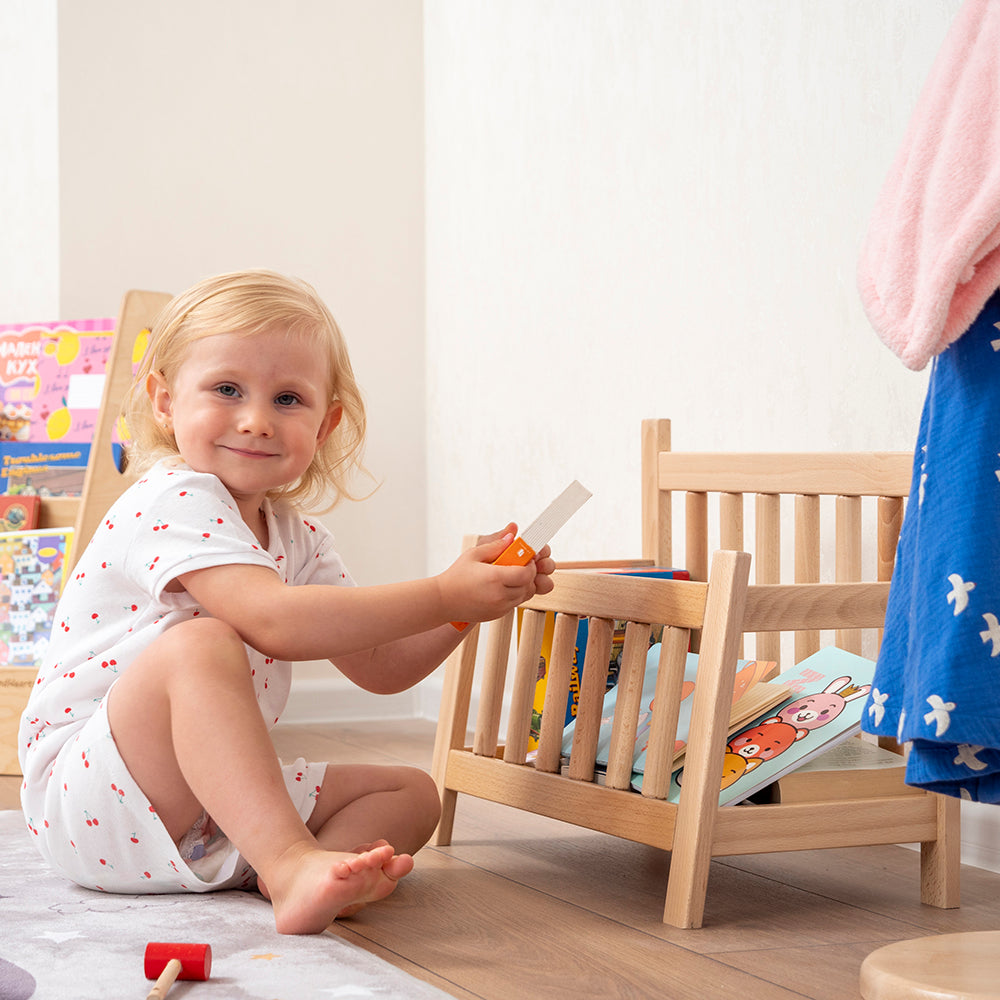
(159, 398)
(330, 421)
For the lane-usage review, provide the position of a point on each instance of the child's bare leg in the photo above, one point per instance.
(187, 724)
(362, 807)
(362, 803)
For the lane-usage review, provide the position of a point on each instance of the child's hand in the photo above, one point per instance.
(474, 589)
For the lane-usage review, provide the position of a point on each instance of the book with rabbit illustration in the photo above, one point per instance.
(751, 696)
(824, 708)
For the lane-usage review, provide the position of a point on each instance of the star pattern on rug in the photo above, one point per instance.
(60, 936)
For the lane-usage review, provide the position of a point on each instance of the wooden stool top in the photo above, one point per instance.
(939, 967)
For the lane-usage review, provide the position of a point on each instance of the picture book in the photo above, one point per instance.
(749, 690)
(51, 382)
(19, 513)
(830, 775)
(614, 663)
(31, 579)
(824, 708)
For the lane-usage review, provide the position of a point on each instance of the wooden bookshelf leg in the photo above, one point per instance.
(453, 720)
(940, 859)
(691, 856)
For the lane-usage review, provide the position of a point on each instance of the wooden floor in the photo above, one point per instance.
(524, 907)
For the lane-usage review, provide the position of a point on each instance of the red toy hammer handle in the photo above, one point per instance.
(166, 980)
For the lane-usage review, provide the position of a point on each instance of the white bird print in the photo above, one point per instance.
(959, 595)
(877, 707)
(992, 633)
(939, 714)
(967, 756)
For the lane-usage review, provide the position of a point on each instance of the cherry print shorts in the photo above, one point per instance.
(98, 827)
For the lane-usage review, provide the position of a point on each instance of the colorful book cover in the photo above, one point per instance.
(51, 381)
(828, 695)
(582, 631)
(749, 674)
(19, 513)
(31, 579)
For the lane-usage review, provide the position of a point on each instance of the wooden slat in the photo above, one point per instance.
(594, 807)
(815, 606)
(657, 529)
(767, 562)
(798, 826)
(630, 678)
(889, 516)
(558, 673)
(667, 698)
(593, 687)
(848, 560)
(890, 521)
(532, 628)
(731, 521)
(823, 473)
(616, 596)
(492, 687)
(731, 529)
(807, 548)
(696, 535)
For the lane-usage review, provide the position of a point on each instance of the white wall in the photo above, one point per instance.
(29, 153)
(653, 208)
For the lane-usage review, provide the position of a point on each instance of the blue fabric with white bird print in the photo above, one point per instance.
(937, 682)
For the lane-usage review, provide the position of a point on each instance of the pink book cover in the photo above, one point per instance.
(51, 381)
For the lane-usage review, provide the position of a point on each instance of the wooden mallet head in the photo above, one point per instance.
(166, 961)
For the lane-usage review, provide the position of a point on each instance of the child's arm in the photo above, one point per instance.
(384, 638)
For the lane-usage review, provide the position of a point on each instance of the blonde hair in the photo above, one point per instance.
(249, 303)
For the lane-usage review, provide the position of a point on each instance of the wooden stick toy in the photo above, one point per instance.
(167, 961)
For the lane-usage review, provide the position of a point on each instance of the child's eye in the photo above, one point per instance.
(286, 399)
(229, 391)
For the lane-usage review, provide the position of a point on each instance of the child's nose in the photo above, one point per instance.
(255, 419)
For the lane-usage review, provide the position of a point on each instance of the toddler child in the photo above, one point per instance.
(145, 750)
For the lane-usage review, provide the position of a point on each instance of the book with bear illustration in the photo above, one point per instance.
(752, 695)
(828, 694)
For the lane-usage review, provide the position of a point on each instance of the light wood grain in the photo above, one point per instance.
(103, 483)
(593, 686)
(818, 473)
(657, 507)
(491, 689)
(713, 615)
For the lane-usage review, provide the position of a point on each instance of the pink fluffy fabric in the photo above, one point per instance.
(930, 259)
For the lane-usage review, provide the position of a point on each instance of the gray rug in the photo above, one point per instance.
(60, 941)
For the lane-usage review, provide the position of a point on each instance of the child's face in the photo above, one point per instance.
(250, 410)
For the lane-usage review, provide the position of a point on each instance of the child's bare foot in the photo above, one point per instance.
(395, 868)
(309, 887)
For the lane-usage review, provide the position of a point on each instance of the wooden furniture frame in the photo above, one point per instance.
(103, 483)
(716, 610)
